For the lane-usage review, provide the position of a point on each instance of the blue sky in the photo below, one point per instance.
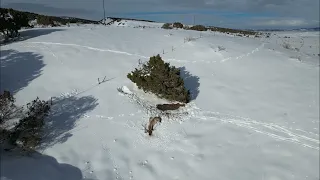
(225, 13)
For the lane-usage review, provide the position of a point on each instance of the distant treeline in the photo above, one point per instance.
(11, 21)
(129, 19)
(58, 20)
(211, 28)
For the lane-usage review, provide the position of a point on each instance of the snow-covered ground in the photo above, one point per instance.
(130, 23)
(254, 114)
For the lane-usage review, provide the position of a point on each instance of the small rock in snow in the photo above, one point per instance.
(125, 90)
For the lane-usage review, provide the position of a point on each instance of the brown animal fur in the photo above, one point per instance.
(165, 107)
(152, 122)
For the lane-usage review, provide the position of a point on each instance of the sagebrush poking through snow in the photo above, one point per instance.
(161, 79)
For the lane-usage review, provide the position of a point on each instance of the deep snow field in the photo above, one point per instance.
(254, 113)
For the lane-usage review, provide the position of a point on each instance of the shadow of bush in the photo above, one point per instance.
(37, 167)
(191, 82)
(18, 69)
(31, 33)
(63, 117)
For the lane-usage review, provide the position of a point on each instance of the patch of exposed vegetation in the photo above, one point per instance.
(167, 26)
(161, 79)
(177, 25)
(198, 28)
(26, 133)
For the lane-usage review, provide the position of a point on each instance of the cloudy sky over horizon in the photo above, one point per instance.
(225, 13)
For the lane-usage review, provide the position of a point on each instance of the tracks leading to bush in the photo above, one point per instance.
(196, 116)
(272, 130)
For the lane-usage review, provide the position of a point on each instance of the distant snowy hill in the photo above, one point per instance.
(130, 22)
(299, 29)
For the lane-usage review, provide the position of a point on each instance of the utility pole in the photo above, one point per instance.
(104, 13)
(194, 19)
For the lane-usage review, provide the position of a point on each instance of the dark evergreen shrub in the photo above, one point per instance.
(166, 26)
(161, 79)
(27, 133)
(45, 20)
(11, 22)
(7, 106)
(198, 28)
(20, 18)
(178, 25)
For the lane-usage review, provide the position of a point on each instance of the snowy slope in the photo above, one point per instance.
(254, 114)
(132, 23)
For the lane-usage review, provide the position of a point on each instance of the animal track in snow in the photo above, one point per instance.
(115, 166)
(111, 120)
(44, 48)
(88, 168)
(88, 47)
(270, 129)
(247, 54)
(223, 60)
(163, 137)
(110, 117)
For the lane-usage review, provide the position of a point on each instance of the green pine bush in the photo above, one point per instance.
(166, 26)
(28, 131)
(198, 28)
(7, 106)
(178, 25)
(161, 79)
(11, 22)
(45, 20)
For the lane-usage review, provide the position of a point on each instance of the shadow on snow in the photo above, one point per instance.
(37, 167)
(32, 33)
(18, 69)
(63, 117)
(191, 82)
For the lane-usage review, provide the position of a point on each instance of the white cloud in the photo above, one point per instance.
(281, 22)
